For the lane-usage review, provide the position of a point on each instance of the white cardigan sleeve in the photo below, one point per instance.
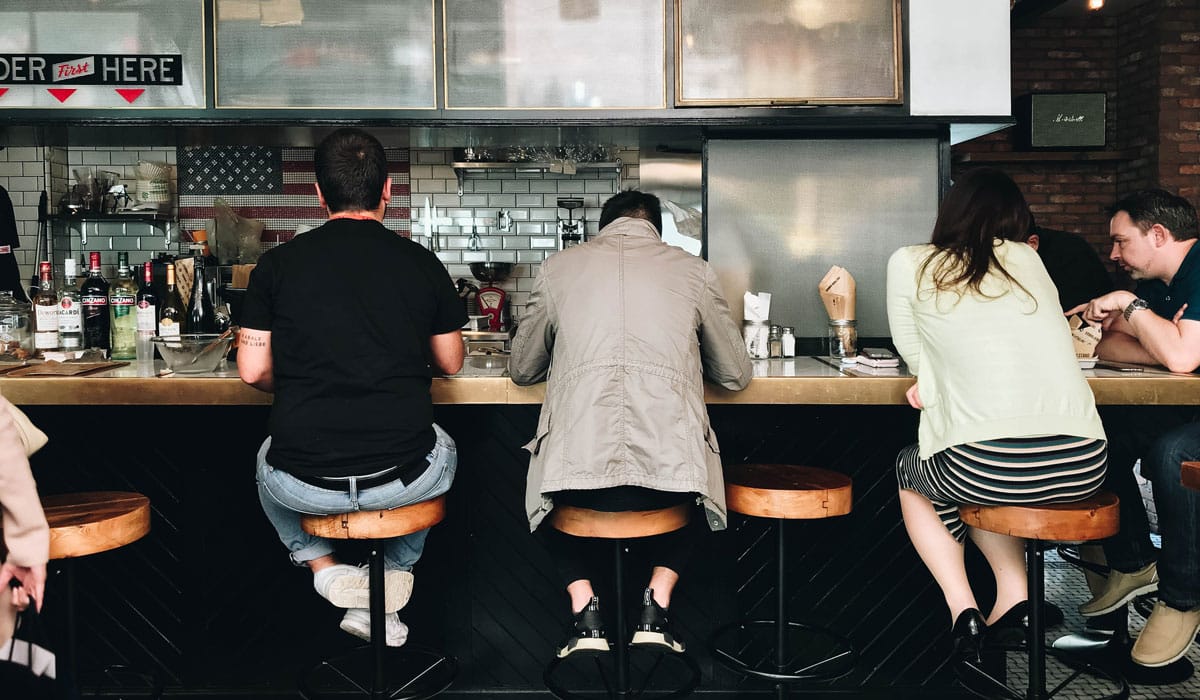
(901, 293)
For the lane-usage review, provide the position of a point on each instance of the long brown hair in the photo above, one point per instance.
(983, 205)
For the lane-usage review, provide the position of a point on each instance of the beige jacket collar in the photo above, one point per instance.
(630, 226)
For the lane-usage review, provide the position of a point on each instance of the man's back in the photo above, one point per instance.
(351, 307)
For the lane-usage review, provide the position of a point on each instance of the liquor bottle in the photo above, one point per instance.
(201, 318)
(70, 314)
(122, 304)
(172, 314)
(45, 312)
(93, 295)
(147, 301)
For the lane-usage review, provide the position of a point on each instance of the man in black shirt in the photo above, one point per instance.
(345, 324)
(1073, 265)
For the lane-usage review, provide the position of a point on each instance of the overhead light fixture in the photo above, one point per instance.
(1095, 4)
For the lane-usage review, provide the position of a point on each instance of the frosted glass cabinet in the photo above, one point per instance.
(350, 54)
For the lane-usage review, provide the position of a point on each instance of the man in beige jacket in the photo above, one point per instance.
(624, 329)
(26, 534)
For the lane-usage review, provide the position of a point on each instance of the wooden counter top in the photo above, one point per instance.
(801, 381)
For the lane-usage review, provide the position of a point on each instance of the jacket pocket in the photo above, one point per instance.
(543, 429)
(710, 439)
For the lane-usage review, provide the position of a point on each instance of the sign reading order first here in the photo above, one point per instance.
(93, 69)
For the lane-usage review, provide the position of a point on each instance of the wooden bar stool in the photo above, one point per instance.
(406, 673)
(785, 492)
(618, 527)
(89, 523)
(1091, 519)
(1189, 475)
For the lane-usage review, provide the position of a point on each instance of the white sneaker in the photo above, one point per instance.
(348, 586)
(357, 621)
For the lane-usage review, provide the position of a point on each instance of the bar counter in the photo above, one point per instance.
(799, 381)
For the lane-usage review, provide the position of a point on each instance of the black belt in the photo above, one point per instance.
(407, 473)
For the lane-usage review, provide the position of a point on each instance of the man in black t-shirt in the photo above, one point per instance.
(345, 324)
(1072, 264)
(1154, 236)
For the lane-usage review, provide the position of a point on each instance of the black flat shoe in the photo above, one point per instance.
(966, 636)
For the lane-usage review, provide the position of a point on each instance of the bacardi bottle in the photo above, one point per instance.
(122, 303)
(172, 314)
(45, 312)
(93, 295)
(70, 313)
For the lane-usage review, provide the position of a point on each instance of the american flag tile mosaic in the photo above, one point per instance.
(283, 198)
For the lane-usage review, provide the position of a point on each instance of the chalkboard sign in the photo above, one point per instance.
(1064, 120)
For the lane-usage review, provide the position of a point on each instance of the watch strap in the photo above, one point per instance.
(1136, 305)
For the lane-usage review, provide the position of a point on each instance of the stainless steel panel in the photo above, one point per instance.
(780, 213)
(366, 54)
(677, 178)
(570, 54)
(769, 51)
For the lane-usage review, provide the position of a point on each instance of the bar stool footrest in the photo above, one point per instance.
(641, 658)
(1078, 663)
(816, 652)
(413, 673)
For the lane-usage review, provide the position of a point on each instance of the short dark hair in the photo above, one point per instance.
(1156, 206)
(634, 203)
(351, 170)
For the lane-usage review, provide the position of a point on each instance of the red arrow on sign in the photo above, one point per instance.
(2, 91)
(130, 94)
(61, 94)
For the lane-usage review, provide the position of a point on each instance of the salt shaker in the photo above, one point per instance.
(789, 341)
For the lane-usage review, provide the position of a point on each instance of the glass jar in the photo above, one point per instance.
(756, 334)
(16, 338)
(843, 340)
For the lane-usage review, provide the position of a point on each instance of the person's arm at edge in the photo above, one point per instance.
(1145, 338)
(533, 344)
(26, 533)
(722, 349)
(254, 362)
(446, 350)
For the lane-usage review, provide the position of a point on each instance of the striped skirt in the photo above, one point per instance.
(1009, 471)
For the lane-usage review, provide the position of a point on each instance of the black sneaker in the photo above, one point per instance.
(586, 633)
(654, 629)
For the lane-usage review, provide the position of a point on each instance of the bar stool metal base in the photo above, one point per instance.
(617, 681)
(411, 673)
(1036, 650)
(784, 659)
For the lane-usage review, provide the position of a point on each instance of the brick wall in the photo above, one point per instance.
(23, 173)
(1179, 101)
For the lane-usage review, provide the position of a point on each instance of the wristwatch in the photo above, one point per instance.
(1135, 305)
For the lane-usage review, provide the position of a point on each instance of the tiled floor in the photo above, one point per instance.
(1066, 588)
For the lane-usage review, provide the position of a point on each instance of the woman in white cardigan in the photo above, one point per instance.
(1006, 415)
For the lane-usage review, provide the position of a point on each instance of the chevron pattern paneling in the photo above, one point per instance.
(210, 600)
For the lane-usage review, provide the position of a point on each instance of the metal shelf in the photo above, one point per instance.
(461, 168)
(156, 219)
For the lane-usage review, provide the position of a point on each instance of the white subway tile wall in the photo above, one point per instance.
(531, 200)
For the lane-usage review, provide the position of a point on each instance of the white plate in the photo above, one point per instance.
(1087, 362)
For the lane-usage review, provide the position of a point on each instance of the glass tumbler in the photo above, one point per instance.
(843, 340)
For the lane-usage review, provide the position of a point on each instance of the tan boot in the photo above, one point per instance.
(1167, 636)
(1119, 589)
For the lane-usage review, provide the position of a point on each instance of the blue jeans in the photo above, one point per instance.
(1178, 516)
(285, 499)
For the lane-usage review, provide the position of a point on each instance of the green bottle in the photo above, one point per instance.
(122, 307)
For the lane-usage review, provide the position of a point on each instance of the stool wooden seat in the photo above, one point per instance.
(88, 523)
(584, 522)
(1092, 518)
(377, 524)
(618, 527)
(94, 522)
(407, 673)
(784, 492)
(1189, 474)
(1086, 520)
(787, 491)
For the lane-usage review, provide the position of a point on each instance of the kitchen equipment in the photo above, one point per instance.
(468, 293)
(491, 299)
(486, 343)
(571, 230)
(193, 353)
